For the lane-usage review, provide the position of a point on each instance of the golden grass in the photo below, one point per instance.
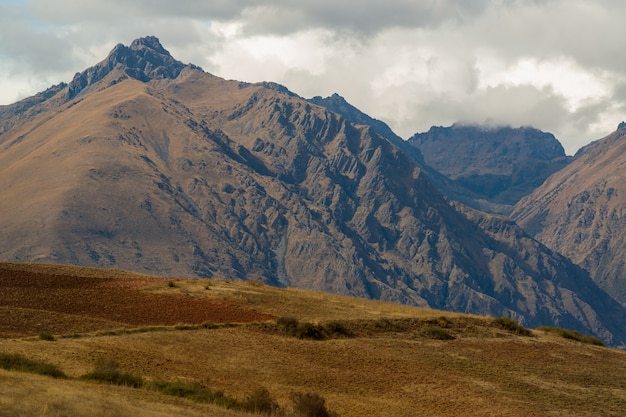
(25, 395)
(390, 367)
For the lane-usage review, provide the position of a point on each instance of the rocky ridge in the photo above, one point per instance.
(580, 211)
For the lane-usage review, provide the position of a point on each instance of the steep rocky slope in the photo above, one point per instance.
(499, 165)
(447, 186)
(580, 212)
(173, 171)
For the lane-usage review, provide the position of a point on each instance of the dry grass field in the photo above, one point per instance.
(375, 358)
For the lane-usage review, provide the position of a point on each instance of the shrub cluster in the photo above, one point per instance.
(310, 405)
(572, 335)
(305, 330)
(46, 336)
(16, 362)
(437, 333)
(107, 371)
(512, 326)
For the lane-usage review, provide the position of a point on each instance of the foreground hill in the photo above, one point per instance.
(497, 165)
(579, 211)
(146, 164)
(375, 358)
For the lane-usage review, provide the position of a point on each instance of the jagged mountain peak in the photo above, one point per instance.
(146, 59)
(149, 42)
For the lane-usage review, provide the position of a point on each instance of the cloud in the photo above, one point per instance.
(553, 64)
(366, 17)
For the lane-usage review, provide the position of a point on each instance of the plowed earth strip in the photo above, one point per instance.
(31, 303)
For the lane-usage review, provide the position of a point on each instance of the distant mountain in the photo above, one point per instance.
(146, 164)
(499, 165)
(581, 212)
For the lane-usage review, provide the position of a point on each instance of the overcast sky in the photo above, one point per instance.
(558, 65)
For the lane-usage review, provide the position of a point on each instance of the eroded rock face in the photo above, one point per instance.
(144, 60)
(579, 212)
(499, 164)
(198, 176)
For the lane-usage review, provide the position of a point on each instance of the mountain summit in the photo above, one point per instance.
(146, 59)
(159, 167)
(496, 164)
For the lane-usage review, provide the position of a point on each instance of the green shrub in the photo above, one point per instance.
(511, 325)
(310, 331)
(336, 329)
(391, 326)
(572, 335)
(260, 402)
(16, 362)
(437, 333)
(106, 371)
(195, 392)
(46, 336)
(310, 405)
(288, 325)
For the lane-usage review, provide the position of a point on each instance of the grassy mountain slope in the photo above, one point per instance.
(393, 361)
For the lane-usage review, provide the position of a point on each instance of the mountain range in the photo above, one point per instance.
(147, 164)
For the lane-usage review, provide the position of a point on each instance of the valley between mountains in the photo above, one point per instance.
(146, 164)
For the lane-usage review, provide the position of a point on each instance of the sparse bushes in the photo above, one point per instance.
(260, 402)
(310, 331)
(15, 362)
(47, 337)
(107, 371)
(305, 330)
(310, 405)
(301, 330)
(512, 326)
(572, 335)
(288, 325)
(437, 333)
(195, 392)
(337, 329)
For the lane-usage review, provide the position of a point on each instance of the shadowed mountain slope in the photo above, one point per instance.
(580, 212)
(498, 165)
(176, 172)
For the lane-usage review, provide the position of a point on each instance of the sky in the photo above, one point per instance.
(557, 65)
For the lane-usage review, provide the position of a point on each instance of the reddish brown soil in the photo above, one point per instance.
(32, 303)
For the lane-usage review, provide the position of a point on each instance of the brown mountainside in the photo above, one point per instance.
(580, 212)
(177, 172)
